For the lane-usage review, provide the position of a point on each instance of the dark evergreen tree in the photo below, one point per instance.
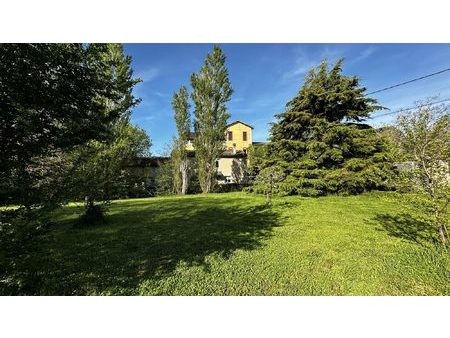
(319, 143)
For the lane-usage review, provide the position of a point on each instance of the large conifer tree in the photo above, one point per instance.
(319, 143)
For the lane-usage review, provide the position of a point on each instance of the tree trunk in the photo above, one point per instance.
(184, 176)
(88, 202)
(441, 227)
(269, 191)
(207, 184)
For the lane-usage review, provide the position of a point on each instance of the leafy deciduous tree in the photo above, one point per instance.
(101, 172)
(422, 137)
(54, 98)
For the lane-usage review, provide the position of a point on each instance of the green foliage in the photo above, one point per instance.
(256, 155)
(93, 214)
(64, 122)
(326, 93)
(318, 149)
(268, 181)
(119, 72)
(211, 90)
(168, 177)
(55, 98)
(181, 168)
(421, 139)
(164, 179)
(21, 233)
(181, 107)
(101, 171)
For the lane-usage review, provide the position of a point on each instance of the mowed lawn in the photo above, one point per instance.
(230, 244)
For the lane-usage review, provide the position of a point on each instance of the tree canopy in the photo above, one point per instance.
(179, 154)
(421, 140)
(211, 90)
(53, 98)
(319, 143)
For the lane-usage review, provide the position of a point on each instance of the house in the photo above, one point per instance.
(238, 136)
(146, 169)
(232, 164)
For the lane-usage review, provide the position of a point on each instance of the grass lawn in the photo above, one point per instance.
(229, 244)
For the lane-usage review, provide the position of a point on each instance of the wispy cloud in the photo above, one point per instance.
(143, 118)
(159, 94)
(365, 54)
(148, 74)
(302, 65)
(237, 99)
(304, 61)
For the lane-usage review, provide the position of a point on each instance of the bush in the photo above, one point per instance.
(21, 233)
(230, 187)
(94, 214)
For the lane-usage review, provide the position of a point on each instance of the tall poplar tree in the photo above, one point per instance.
(211, 91)
(181, 107)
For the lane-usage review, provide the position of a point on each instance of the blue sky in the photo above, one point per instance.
(265, 76)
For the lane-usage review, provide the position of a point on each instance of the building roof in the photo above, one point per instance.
(191, 134)
(238, 121)
(232, 154)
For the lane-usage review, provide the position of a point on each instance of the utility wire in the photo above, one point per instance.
(390, 87)
(406, 109)
(406, 82)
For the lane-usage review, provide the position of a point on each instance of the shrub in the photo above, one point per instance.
(21, 233)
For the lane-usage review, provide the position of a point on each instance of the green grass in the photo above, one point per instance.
(230, 244)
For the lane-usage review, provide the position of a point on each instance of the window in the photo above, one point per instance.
(244, 135)
(230, 136)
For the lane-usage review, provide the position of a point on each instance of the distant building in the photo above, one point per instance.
(232, 164)
(146, 168)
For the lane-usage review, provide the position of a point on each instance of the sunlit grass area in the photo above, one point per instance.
(231, 244)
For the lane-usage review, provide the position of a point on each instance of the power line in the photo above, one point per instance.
(390, 87)
(406, 109)
(406, 82)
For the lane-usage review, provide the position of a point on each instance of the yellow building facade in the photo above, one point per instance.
(232, 164)
(238, 136)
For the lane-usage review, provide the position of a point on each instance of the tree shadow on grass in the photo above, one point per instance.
(407, 227)
(143, 241)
